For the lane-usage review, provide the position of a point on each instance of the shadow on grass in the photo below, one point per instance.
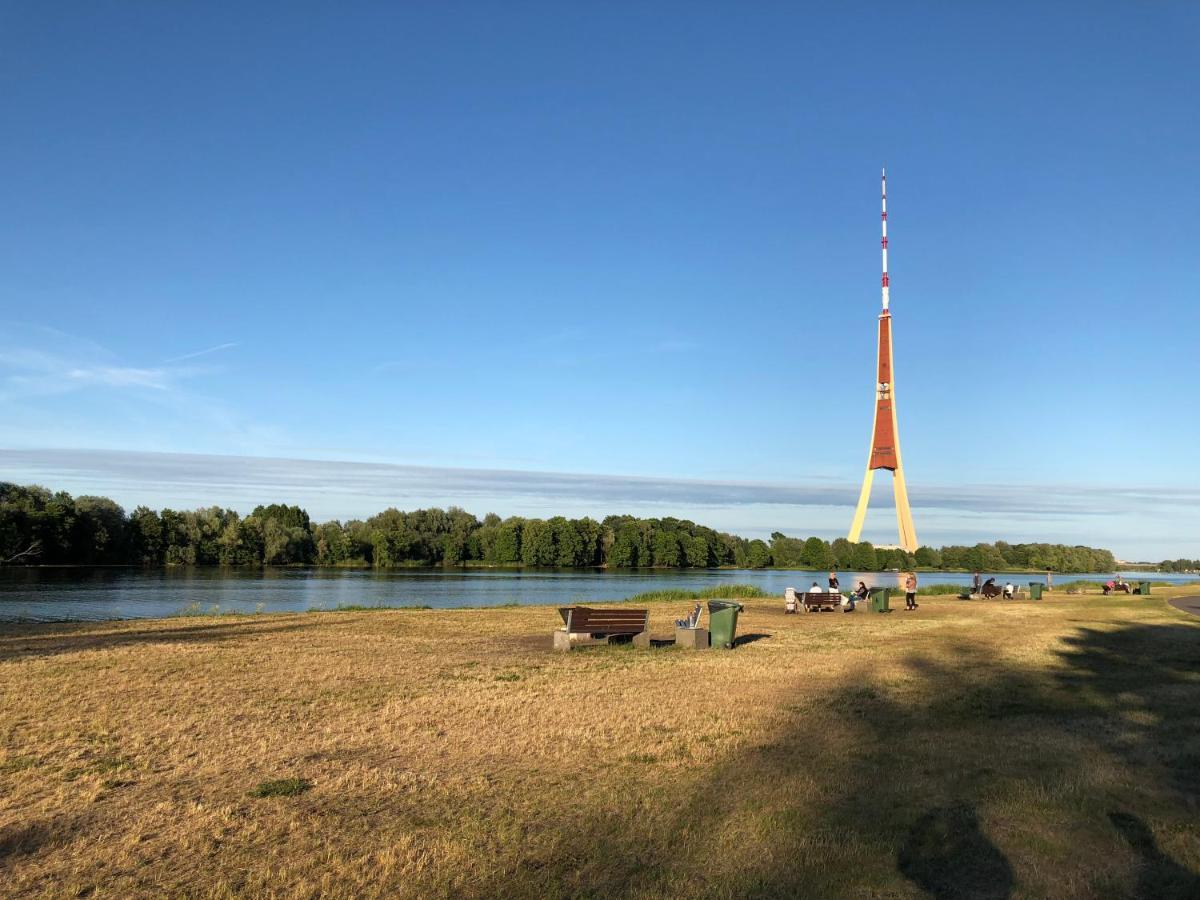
(1159, 876)
(20, 839)
(946, 854)
(23, 641)
(742, 639)
(957, 780)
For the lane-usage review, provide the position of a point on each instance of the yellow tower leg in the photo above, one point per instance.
(908, 533)
(860, 514)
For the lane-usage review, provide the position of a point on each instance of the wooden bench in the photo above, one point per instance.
(583, 626)
(820, 602)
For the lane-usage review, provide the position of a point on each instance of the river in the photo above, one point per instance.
(65, 594)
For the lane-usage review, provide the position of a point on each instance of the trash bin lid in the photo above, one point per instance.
(718, 605)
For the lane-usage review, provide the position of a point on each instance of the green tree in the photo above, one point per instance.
(927, 557)
(332, 544)
(508, 542)
(843, 553)
(537, 543)
(758, 555)
(666, 549)
(864, 559)
(568, 544)
(146, 537)
(626, 551)
(100, 532)
(697, 552)
(591, 536)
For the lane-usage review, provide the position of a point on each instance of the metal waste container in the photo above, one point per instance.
(722, 622)
(1035, 590)
(1143, 588)
(881, 599)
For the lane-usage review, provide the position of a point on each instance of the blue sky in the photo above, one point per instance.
(567, 245)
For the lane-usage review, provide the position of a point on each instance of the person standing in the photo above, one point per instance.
(833, 583)
(976, 583)
(1049, 581)
(910, 591)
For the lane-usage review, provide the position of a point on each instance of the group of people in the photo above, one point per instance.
(861, 592)
(1008, 592)
(989, 589)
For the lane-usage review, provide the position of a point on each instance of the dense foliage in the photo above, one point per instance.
(1179, 565)
(41, 527)
(815, 553)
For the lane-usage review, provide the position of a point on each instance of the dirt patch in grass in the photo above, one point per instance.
(1031, 749)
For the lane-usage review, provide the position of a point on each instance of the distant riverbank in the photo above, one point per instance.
(75, 593)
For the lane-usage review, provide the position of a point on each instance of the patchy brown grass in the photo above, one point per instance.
(1047, 750)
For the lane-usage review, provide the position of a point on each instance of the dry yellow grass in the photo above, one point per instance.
(1048, 749)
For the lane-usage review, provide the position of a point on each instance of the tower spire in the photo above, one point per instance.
(883, 242)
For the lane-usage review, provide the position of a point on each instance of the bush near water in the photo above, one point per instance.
(38, 526)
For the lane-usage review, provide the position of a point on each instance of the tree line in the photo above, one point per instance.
(1179, 565)
(815, 553)
(40, 527)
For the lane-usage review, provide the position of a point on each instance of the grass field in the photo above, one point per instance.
(977, 749)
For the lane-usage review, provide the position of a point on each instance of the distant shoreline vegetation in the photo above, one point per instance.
(40, 527)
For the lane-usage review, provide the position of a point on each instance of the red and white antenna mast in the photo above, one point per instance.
(883, 243)
(885, 431)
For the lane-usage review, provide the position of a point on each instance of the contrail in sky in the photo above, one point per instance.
(215, 349)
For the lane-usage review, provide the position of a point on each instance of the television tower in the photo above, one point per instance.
(885, 432)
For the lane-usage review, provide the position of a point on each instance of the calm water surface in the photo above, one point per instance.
(97, 594)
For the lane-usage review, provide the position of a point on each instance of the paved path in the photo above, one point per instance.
(1187, 604)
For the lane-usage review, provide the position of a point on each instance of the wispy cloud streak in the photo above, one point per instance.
(384, 484)
(228, 345)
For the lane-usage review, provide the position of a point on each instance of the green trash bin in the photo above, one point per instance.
(881, 599)
(1035, 590)
(722, 622)
(1143, 588)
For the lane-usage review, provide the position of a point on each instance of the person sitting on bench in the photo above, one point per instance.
(990, 583)
(816, 589)
(1009, 590)
(862, 592)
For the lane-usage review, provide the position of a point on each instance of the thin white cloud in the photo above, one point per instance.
(121, 376)
(1159, 522)
(385, 482)
(38, 362)
(228, 345)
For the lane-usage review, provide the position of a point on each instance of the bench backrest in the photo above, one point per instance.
(584, 620)
(822, 599)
